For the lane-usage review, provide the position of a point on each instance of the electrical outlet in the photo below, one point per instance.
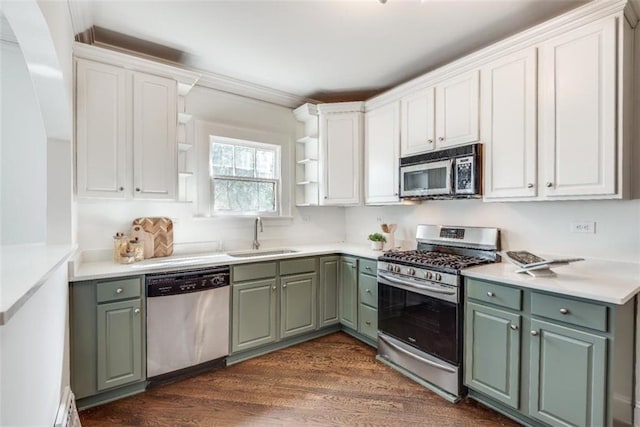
(583, 227)
(379, 219)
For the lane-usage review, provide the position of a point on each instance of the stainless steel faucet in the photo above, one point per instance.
(256, 243)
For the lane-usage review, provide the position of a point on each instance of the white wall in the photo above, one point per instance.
(540, 227)
(32, 362)
(98, 220)
(24, 154)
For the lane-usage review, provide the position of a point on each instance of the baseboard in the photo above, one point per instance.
(636, 414)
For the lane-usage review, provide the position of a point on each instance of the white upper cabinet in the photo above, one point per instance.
(101, 130)
(418, 122)
(341, 138)
(578, 111)
(154, 137)
(440, 116)
(508, 126)
(381, 153)
(457, 110)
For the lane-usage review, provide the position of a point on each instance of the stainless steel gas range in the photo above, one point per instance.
(420, 303)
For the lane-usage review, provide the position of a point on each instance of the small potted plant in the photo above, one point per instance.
(377, 240)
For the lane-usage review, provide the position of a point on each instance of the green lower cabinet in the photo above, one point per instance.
(368, 318)
(348, 283)
(567, 375)
(492, 352)
(328, 292)
(297, 304)
(119, 343)
(254, 314)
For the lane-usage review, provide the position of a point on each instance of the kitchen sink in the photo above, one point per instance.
(257, 253)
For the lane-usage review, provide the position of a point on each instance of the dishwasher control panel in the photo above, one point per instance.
(165, 284)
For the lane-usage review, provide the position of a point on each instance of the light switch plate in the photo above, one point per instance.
(583, 227)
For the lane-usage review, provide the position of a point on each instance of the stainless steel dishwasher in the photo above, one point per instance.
(187, 322)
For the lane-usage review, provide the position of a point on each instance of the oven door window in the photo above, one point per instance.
(425, 179)
(424, 322)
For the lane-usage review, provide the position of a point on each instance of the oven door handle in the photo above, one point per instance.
(415, 356)
(412, 284)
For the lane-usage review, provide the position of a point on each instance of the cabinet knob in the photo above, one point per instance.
(368, 291)
(273, 288)
(549, 184)
(564, 311)
(395, 194)
(353, 266)
(121, 189)
(429, 141)
(490, 294)
(284, 285)
(119, 290)
(136, 311)
(138, 189)
(534, 333)
(367, 268)
(513, 327)
(368, 323)
(529, 185)
(441, 139)
(325, 197)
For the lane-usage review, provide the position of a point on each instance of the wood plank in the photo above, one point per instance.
(333, 380)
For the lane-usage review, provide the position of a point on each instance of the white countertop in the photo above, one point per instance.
(89, 270)
(23, 270)
(605, 281)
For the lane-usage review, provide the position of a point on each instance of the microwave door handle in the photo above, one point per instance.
(415, 285)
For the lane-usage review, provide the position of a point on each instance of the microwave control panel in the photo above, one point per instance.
(464, 175)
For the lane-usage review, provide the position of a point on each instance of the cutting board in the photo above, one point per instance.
(159, 231)
(144, 237)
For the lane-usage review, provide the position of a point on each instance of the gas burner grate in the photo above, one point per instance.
(435, 259)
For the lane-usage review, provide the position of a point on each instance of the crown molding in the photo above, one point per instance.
(306, 112)
(533, 36)
(341, 107)
(81, 21)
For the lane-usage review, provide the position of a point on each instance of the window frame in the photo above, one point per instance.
(277, 180)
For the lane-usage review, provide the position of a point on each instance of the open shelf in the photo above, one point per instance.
(306, 161)
(307, 139)
(307, 182)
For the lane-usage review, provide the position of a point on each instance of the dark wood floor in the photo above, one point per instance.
(331, 381)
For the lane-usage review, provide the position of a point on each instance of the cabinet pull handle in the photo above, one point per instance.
(513, 327)
(564, 311)
(429, 141)
(441, 139)
(490, 294)
(119, 290)
(136, 311)
(549, 184)
(534, 333)
(368, 323)
(529, 185)
(368, 291)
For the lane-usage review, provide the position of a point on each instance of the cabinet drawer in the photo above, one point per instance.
(495, 294)
(580, 313)
(368, 289)
(254, 271)
(367, 266)
(295, 266)
(115, 290)
(368, 321)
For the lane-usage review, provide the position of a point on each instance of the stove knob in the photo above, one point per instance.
(438, 276)
(428, 275)
(397, 269)
(390, 267)
(411, 271)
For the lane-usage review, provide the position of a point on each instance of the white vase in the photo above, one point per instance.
(390, 243)
(376, 246)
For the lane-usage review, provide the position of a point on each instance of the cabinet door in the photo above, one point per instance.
(155, 165)
(254, 314)
(119, 343)
(457, 110)
(329, 291)
(578, 111)
(298, 304)
(492, 353)
(418, 122)
(509, 126)
(101, 130)
(349, 292)
(567, 375)
(382, 153)
(341, 140)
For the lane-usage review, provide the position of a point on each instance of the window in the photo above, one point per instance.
(244, 176)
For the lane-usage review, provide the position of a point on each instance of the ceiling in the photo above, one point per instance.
(324, 50)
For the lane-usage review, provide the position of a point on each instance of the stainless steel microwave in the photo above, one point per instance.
(443, 174)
